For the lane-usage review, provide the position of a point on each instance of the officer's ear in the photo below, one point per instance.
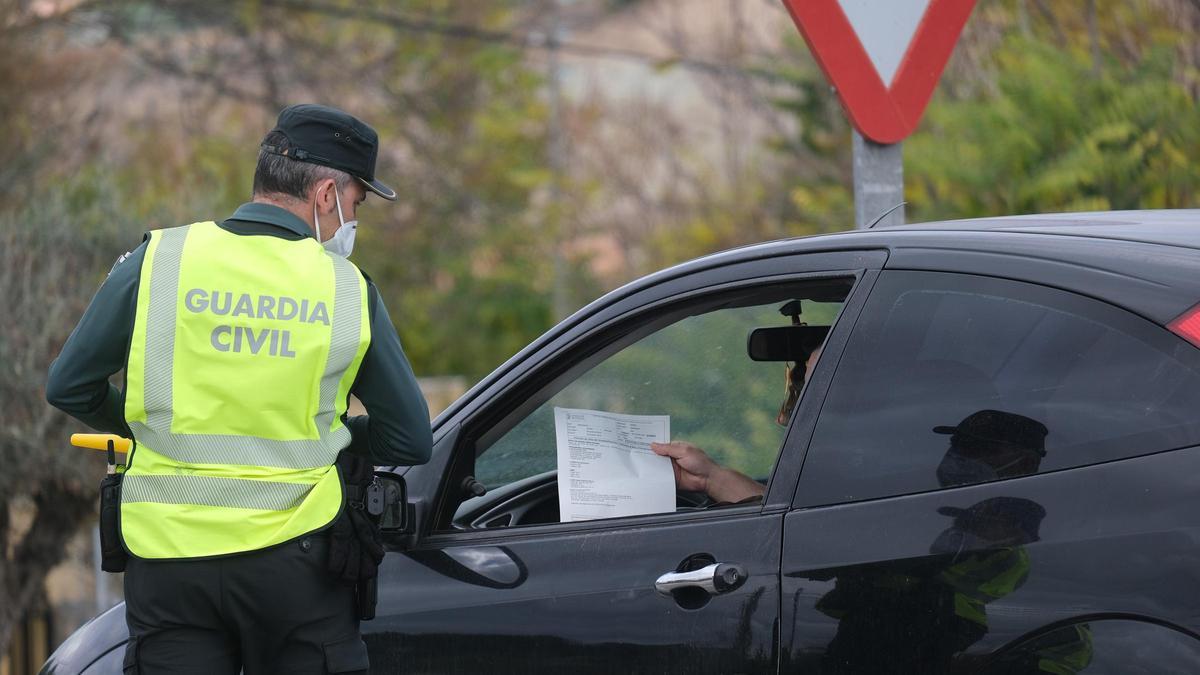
(324, 191)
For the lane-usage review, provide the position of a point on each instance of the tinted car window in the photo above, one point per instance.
(696, 370)
(953, 379)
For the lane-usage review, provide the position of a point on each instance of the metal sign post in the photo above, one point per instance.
(878, 182)
(884, 58)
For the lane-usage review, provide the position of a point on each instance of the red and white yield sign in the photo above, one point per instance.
(884, 57)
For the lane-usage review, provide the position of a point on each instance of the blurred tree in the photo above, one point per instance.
(51, 258)
(458, 258)
(667, 187)
(1044, 107)
(1080, 112)
(52, 251)
(816, 144)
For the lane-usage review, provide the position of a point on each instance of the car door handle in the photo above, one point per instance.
(713, 579)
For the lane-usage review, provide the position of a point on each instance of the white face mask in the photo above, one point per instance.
(342, 241)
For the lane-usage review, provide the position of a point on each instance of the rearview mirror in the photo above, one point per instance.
(785, 343)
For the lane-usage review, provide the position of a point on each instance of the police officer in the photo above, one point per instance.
(241, 341)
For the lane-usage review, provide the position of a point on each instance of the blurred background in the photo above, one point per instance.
(545, 151)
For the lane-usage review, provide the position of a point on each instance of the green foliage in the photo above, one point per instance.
(1038, 113)
(806, 96)
(696, 371)
(463, 263)
(1056, 135)
(52, 258)
(817, 151)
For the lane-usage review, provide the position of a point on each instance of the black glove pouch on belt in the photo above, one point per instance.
(355, 545)
(112, 554)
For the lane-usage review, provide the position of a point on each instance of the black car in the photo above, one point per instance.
(993, 466)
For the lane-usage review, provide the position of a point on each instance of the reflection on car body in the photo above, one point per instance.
(917, 618)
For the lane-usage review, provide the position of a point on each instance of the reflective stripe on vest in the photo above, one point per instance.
(214, 491)
(191, 478)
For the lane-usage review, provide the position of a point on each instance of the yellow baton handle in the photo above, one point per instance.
(100, 442)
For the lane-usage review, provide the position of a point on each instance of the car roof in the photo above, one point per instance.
(1167, 227)
(1060, 235)
(1143, 261)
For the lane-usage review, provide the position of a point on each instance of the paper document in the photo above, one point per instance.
(606, 468)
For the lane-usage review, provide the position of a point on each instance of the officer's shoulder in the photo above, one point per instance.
(366, 277)
(364, 273)
(374, 297)
(136, 254)
(120, 259)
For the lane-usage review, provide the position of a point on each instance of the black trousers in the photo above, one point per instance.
(270, 611)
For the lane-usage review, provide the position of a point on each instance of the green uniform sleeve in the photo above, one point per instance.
(395, 430)
(78, 382)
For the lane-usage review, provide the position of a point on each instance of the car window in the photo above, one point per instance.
(952, 379)
(694, 368)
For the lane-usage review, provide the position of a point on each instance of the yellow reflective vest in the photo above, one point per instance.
(981, 578)
(244, 349)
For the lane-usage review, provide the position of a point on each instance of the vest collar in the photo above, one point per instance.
(269, 214)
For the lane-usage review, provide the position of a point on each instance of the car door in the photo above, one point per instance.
(496, 582)
(997, 470)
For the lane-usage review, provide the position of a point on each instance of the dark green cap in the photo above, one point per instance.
(330, 137)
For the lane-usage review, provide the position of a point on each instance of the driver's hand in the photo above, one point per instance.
(692, 466)
(695, 471)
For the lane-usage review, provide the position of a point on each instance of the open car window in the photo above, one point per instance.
(693, 366)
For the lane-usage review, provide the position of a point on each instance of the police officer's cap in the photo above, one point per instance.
(1024, 515)
(327, 136)
(991, 426)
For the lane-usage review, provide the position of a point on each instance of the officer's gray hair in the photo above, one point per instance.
(277, 175)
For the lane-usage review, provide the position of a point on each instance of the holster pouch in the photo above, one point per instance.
(112, 554)
(366, 596)
(355, 543)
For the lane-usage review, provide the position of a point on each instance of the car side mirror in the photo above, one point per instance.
(398, 514)
(784, 343)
